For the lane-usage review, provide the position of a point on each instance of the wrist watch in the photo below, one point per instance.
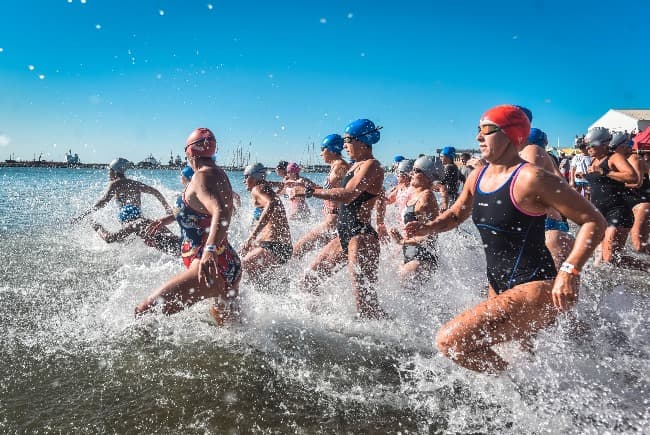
(570, 269)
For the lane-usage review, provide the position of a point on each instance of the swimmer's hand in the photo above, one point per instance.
(155, 226)
(395, 235)
(247, 246)
(416, 228)
(565, 291)
(207, 268)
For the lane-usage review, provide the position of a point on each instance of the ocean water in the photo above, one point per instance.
(74, 359)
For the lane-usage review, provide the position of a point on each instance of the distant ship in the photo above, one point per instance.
(72, 159)
(149, 162)
(12, 159)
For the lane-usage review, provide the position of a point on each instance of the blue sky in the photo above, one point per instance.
(108, 78)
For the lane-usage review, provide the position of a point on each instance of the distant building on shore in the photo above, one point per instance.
(630, 120)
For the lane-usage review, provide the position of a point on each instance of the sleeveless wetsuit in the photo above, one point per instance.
(348, 224)
(425, 251)
(194, 232)
(514, 241)
(609, 197)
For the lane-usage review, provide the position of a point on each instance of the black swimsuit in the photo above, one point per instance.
(639, 195)
(609, 197)
(424, 251)
(348, 223)
(514, 241)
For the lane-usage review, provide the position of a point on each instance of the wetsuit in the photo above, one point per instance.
(425, 251)
(609, 197)
(194, 232)
(348, 224)
(514, 241)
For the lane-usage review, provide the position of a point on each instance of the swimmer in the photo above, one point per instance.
(420, 252)
(357, 242)
(450, 177)
(128, 194)
(213, 269)
(579, 167)
(507, 200)
(401, 193)
(269, 244)
(298, 208)
(331, 149)
(607, 176)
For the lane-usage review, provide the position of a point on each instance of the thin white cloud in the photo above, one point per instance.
(4, 140)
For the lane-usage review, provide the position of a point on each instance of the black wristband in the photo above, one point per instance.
(309, 191)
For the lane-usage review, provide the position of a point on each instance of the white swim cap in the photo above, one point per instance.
(119, 165)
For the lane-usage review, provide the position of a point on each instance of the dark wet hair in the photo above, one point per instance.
(282, 164)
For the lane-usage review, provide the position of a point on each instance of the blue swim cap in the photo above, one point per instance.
(364, 130)
(448, 152)
(528, 113)
(537, 137)
(187, 172)
(398, 158)
(333, 143)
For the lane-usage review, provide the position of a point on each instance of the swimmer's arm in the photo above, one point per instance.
(622, 170)
(153, 191)
(444, 197)
(637, 170)
(450, 219)
(553, 192)
(215, 206)
(105, 199)
(380, 208)
(363, 180)
(269, 203)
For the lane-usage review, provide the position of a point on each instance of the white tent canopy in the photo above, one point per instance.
(632, 121)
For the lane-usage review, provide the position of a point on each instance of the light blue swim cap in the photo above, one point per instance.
(333, 143)
(256, 170)
(364, 130)
(119, 165)
(187, 172)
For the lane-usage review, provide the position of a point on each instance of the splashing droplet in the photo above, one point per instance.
(323, 20)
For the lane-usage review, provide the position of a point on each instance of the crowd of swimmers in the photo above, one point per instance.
(519, 197)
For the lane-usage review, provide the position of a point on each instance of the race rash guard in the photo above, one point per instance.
(514, 240)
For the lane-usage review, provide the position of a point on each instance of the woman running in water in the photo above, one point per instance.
(269, 244)
(331, 148)
(357, 241)
(420, 252)
(298, 208)
(607, 176)
(638, 197)
(507, 200)
(203, 211)
(401, 193)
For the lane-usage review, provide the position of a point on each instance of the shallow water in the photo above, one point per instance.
(75, 360)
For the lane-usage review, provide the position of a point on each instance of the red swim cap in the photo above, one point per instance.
(512, 120)
(201, 143)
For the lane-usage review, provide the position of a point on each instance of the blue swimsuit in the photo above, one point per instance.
(515, 246)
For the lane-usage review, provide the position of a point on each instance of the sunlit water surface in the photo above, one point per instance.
(74, 359)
